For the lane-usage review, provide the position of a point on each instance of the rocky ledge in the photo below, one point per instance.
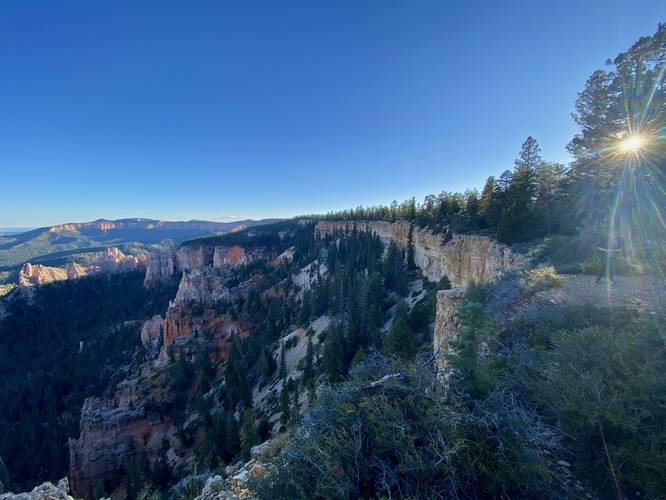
(45, 491)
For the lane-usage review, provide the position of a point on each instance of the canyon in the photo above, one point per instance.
(111, 429)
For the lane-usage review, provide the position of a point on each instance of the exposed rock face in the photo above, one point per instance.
(45, 491)
(188, 258)
(165, 265)
(463, 259)
(236, 484)
(152, 329)
(446, 327)
(37, 274)
(191, 257)
(205, 285)
(285, 257)
(160, 266)
(115, 260)
(179, 325)
(113, 430)
(109, 261)
(232, 256)
(109, 437)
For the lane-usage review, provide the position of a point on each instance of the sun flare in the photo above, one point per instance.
(632, 144)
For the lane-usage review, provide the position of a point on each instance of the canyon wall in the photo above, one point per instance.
(109, 437)
(163, 266)
(464, 259)
(446, 328)
(112, 430)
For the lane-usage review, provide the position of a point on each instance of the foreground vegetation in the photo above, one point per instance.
(555, 404)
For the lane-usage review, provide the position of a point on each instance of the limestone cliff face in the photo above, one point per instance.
(37, 274)
(45, 491)
(160, 266)
(233, 256)
(446, 327)
(463, 259)
(113, 430)
(204, 285)
(151, 331)
(109, 261)
(180, 326)
(165, 265)
(109, 437)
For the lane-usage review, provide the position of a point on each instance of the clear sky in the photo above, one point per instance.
(217, 109)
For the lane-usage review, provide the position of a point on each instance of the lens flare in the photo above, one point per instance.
(632, 144)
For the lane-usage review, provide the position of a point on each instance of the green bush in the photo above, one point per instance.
(605, 386)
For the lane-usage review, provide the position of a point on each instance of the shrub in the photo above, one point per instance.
(386, 433)
(544, 277)
(605, 387)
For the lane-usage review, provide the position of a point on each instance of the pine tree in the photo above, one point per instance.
(308, 370)
(295, 413)
(519, 221)
(248, 434)
(410, 248)
(488, 204)
(472, 209)
(283, 362)
(231, 438)
(284, 403)
(550, 178)
(399, 340)
(333, 355)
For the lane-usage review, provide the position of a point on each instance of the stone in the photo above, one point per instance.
(45, 491)
(109, 436)
(233, 256)
(37, 274)
(160, 267)
(446, 328)
(205, 285)
(152, 329)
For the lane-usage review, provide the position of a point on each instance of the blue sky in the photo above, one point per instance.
(214, 109)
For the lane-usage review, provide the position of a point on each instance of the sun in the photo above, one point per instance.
(632, 144)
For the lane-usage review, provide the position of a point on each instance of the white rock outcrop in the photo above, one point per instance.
(45, 491)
